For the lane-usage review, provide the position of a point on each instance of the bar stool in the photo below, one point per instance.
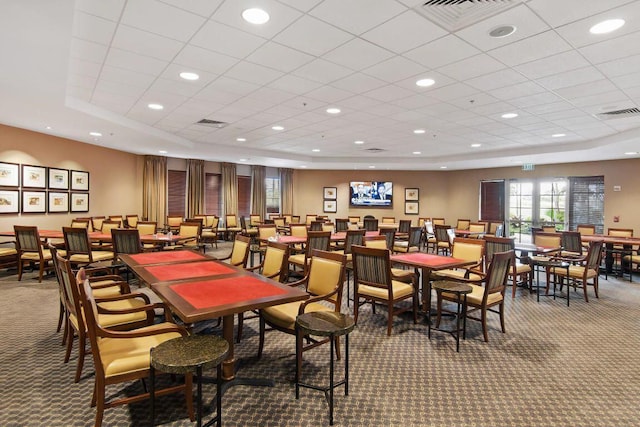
(326, 324)
(184, 355)
(460, 290)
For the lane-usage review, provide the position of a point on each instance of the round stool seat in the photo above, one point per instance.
(325, 323)
(184, 354)
(456, 287)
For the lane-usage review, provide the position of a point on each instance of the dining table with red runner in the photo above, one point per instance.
(160, 257)
(98, 236)
(335, 237)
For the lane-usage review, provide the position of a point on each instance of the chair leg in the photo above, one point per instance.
(502, 317)
(240, 325)
(70, 338)
(65, 334)
(81, 354)
(515, 285)
(60, 317)
(584, 288)
(439, 310)
(41, 270)
(356, 306)
(415, 306)
(261, 342)
(99, 392)
(484, 324)
(337, 347)
(389, 318)
(188, 395)
(20, 266)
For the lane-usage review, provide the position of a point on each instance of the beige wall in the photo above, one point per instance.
(115, 177)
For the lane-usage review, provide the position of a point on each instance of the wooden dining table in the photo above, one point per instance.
(97, 236)
(627, 243)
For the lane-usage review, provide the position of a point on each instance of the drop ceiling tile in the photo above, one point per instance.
(358, 54)
(126, 77)
(93, 28)
(133, 62)
(415, 101)
(214, 36)
(145, 43)
(602, 99)
(302, 35)
(78, 92)
(531, 101)
(279, 57)
(559, 13)
(613, 49)
(329, 94)
(85, 82)
(477, 99)
(301, 5)
(280, 16)
(441, 52)
(531, 49)
(571, 78)
(586, 89)
(497, 79)
(620, 66)
(175, 87)
(453, 91)
(389, 93)
(359, 102)
(356, 16)
(110, 10)
(272, 95)
(253, 73)
(517, 91)
(84, 68)
(395, 69)
(471, 67)
(197, 58)
(555, 64)
(200, 7)
(87, 51)
(409, 30)
(167, 20)
(358, 83)
(172, 73)
(550, 107)
(293, 84)
(322, 71)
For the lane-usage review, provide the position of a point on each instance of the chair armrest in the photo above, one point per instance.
(142, 308)
(474, 271)
(142, 332)
(124, 297)
(299, 282)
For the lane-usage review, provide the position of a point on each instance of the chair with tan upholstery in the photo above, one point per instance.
(478, 229)
(288, 218)
(463, 224)
(255, 220)
(496, 228)
(323, 282)
(549, 241)
(390, 236)
(210, 232)
(429, 237)
(117, 218)
(96, 223)
(583, 272)
(411, 245)
(316, 240)
(280, 223)
(487, 292)
(107, 226)
(29, 250)
(353, 219)
(443, 241)
(173, 223)
(374, 283)
(370, 224)
(232, 226)
(125, 241)
(310, 218)
(131, 221)
(549, 229)
(342, 224)
(586, 230)
(239, 253)
(189, 233)
(79, 250)
(8, 254)
(438, 221)
(520, 269)
(471, 250)
(81, 222)
(124, 356)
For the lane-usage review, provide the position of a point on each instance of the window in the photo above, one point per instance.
(272, 186)
(177, 193)
(212, 199)
(520, 209)
(586, 195)
(552, 203)
(244, 196)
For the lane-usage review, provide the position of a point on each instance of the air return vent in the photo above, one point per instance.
(212, 123)
(619, 114)
(374, 150)
(453, 15)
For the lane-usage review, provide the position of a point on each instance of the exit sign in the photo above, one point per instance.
(528, 167)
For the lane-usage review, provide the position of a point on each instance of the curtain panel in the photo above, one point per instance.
(286, 190)
(258, 191)
(229, 188)
(154, 189)
(195, 187)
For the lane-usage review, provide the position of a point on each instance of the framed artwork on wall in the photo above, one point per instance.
(411, 194)
(79, 202)
(34, 176)
(330, 206)
(9, 174)
(80, 181)
(59, 179)
(34, 202)
(58, 202)
(330, 193)
(9, 201)
(411, 208)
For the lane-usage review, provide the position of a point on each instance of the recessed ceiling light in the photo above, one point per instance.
(95, 134)
(631, 153)
(255, 16)
(243, 160)
(49, 127)
(417, 152)
(303, 166)
(558, 135)
(358, 142)
(241, 139)
(419, 131)
(476, 145)
(316, 150)
(189, 76)
(607, 26)
(425, 82)
(277, 128)
(155, 106)
(443, 167)
(502, 31)
(163, 152)
(372, 167)
(509, 115)
(333, 110)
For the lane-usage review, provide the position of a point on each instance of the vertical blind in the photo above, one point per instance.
(492, 203)
(177, 187)
(586, 205)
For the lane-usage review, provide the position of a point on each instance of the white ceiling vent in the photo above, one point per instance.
(619, 114)
(374, 150)
(212, 123)
(454, 15)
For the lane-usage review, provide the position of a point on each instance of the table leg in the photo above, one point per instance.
(228, 364)
(426, 293)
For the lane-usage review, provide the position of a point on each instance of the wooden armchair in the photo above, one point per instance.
(240, 252)
(468, 250)
(29, 250)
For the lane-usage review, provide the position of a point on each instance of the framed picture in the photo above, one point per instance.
(412, 194)
(34, 202)
(34, 176)
(9, 174)
(59, 179)
(9, 201)
(79, 202)
(80, 180)
(330, 206)
(330, 193)
(411, 208)
(58, 202)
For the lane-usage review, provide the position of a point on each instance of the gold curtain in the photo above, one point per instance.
(154, 189)
(229, 188)
(195, 187)
(258, 191)
(286, 190)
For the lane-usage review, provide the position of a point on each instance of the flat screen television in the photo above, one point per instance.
(375, 194)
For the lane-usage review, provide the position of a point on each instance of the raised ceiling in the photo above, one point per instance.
(95, 65)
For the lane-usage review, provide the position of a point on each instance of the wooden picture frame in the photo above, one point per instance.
(411, 208)
(34, 201)
(79, 180)
(34, 176)
(59, 179)
(330, 193)
(79, 202)
(9, 174)
(9, 201)
(411, 194)
(58, 201)
(330, 206)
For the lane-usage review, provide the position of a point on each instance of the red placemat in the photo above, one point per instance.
(212, 293)
(168, 272)
(432, 260)
(172, 256)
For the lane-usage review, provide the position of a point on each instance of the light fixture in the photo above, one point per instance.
(333, 110)
(419, 131)
(277, 127)
(303, 166)
(241, 139)
(243, 160)
(358, 142)
(189, 75)
(509, 115)
(372, 167)
(443, 167)
(502, 31)
(163, 152)
(631, 153)
(476, 145)
(95, 134)
(156, 106)
(48, 128)
(425, 82)
(316, 150)
(558, 135)
(255, 16)
(607, 26)
(417, 152)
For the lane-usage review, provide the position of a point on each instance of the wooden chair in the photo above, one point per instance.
(79, 250)
(463, 224)
(316, 225)
(549, 229)
(443, 241)
(496, 228)
(479, 228)
(374, 284)
(210, 232)
(29, 250)
(388, 220)
(255, 220)
(582, 270)
(521, 271)
(310, 218)
(190, 233)
(173, 223)
(403, 229)
(370, 224)
(316, 240)
(131, 221)
(468, 250)
(571, 242)
(117, 218)
(342, 224)
(411, 245)
(231, 225)
(81, 222)
(240, 252)
(96, 223)
(125, 241)
(354, 219)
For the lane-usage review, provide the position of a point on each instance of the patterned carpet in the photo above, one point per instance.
(555, 366)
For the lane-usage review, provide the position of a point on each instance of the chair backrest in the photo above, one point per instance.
(298, 230)
(441, 233)
(463, 224)
(499, 230)
(27, 239)
(190, 229)
(288, 218)
(494, 245)
(415, 233)
(388, 220)
(255, 220)
(173, 221)
(96, 222)
(117, 218)
(279, 222)
(390, 235)
(371, 224)
(549, 229)
(108, 225)
(571, 241)
(316, 225)
(328, 226)
(478, 227)
(438, 221)
(372, 267)
(493, 227)
(428, 226)
(318, 240)
(80, 222)
(275, 261)
(72, 297)
(354, 219)
(197, 218)
(125, 241)
(240, 251)
(267, 230)
(132, 220)
(620, 232)
(326, 275)
(147, 227)
(243, 223)
(498, 273)
(377, 242)
(310, 218)
(404, 226)
(468, 249)
(76, 239)
(342, 224)
(547, 240)
(213, 222)
(295, 219)
(593, 255)
(354, 237)
(231, 221)
(586, 229)
(422, 220)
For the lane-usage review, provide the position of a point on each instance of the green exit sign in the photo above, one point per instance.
(528, 167)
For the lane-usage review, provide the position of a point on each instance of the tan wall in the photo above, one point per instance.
(115, 177)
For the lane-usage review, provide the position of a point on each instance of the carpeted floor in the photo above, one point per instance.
(555, 366)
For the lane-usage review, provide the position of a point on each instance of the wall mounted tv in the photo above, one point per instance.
(375, 194)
